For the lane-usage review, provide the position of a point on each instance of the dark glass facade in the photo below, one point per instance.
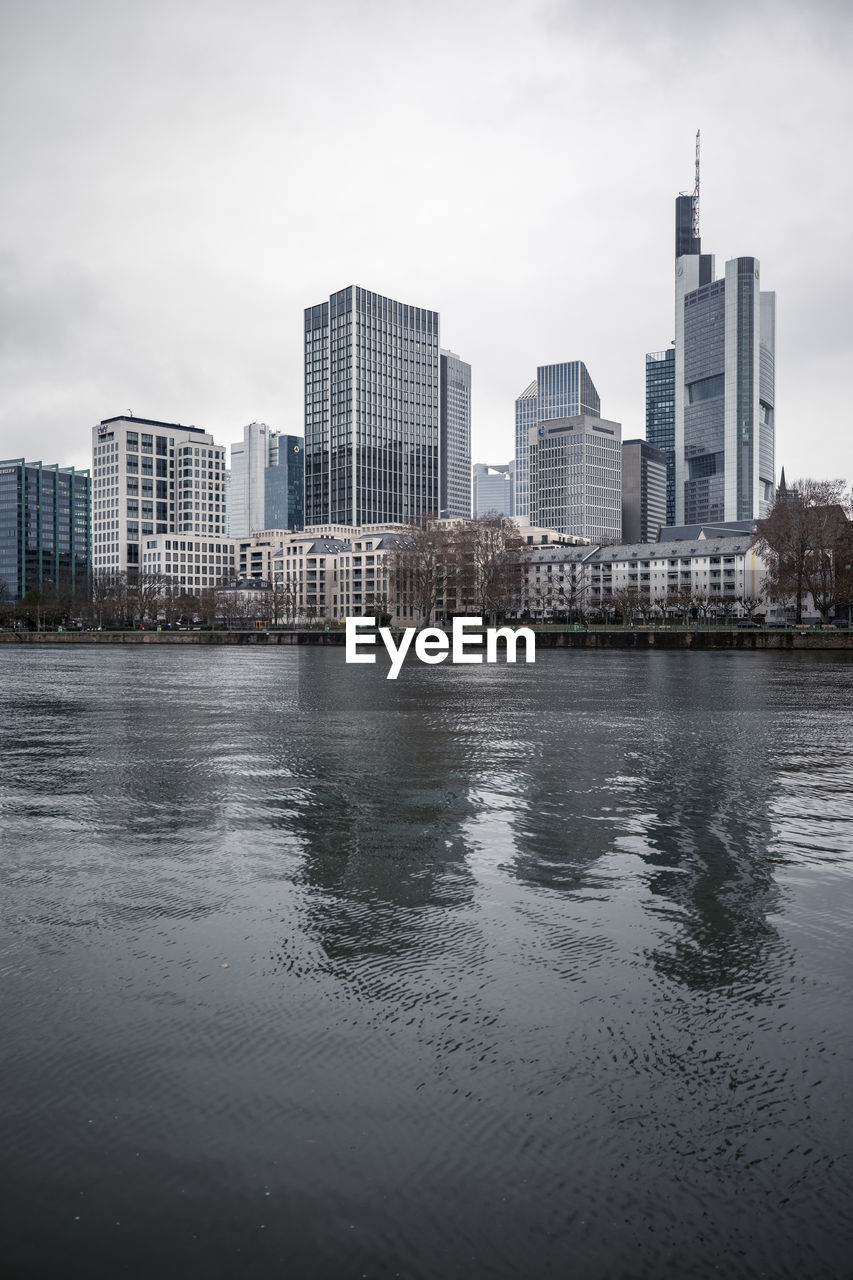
(45, 528)
(644, 475)
(704, 403)
(685, 241)
(372, 410)
(284, 485)
(660, 416)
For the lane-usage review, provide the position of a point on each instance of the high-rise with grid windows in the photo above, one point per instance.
(660, 416)
(558, 391)
(724, 391)
(372, 410)
(150, 478)
(710, 402)
(455, 436)
(45, 534)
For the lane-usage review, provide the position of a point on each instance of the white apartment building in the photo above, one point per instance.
(254, 555)
(193, 564)
(716, 575)
(151, 478)
(306, 574)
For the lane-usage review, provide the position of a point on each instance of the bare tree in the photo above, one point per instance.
(625, 600)
(570, 590)
(681, 601)
(800, 539)
(493, 552)
(702, 604)
(146, 594)
(749, 604)
(419, 568)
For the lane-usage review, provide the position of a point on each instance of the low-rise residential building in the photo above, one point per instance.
(193, 564)
(705, 577)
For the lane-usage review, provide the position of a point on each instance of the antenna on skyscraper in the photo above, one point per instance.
(696, 193)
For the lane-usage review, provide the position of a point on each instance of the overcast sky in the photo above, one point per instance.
(181, 179)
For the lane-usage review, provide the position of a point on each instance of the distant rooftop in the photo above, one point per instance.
(150, 422)
(695, 532)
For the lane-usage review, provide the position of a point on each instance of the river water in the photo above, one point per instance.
(534, 971)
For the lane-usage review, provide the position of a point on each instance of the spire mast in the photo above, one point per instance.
(696, 193)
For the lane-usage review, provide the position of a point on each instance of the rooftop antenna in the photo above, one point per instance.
(696, 193)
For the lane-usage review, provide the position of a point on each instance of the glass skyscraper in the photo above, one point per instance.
(372, 410)
(455, 436)
(724, 384)
(45, 528)
(560, 391)
(710, 400)
(660, 416)
(266, 485)
(721, 373)
(284, 484)
(643, 491)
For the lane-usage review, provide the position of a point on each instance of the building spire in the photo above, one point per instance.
(687, 239)
(696, 193)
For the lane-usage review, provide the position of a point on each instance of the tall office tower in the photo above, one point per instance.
(151, 477)
(643, 491)
(455, 437)
(560, 391)
(493, 489)
(575, 477)
(372, 410)
(284, 483)
(724, 382)
(45, 528)
(249, 459)
(660, 416)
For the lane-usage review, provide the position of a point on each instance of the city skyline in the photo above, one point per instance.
(153, 259)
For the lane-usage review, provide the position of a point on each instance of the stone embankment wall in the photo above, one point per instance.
(611, 638)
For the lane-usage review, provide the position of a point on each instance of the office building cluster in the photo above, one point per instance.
(387, 442)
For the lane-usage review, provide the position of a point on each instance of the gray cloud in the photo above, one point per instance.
(182, 180)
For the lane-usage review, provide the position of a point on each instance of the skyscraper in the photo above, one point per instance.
(151, 478)
(575, 476)
(45, 528)
(493, 489)
(266, 484)
(249, 459)
(560, 391)
(724, 383)
(643, 491)
(284, 484)
(660, 417)
(372, 410)
(455, 437)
